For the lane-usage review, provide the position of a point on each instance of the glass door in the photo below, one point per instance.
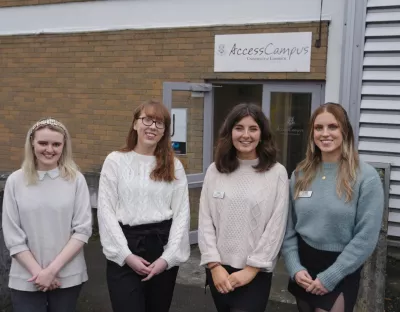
(191, 107)
(289, 107)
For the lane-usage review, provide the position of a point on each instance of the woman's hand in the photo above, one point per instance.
(243, 277)
(157, 267)
(220, 279)
(43, 280)
(303, 279)
(56, 284)
(138, 264)
(316, 288)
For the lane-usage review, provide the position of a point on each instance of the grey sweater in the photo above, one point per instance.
(42, 218)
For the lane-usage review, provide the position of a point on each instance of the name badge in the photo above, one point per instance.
(305, 194)
(217, 194)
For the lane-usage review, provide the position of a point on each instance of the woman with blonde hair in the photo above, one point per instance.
(335, 216)
(144, 215)
(46, 222)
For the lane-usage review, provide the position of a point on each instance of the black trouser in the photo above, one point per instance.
(127, 291)
(58, 300)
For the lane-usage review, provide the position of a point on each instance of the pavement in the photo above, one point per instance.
(189, 295)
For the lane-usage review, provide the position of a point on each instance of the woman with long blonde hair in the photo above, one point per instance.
(144, 214)
(46, 222)
(335, 216)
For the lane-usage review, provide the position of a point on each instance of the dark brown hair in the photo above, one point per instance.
(165, 167)
(225, 155)
(349, 160)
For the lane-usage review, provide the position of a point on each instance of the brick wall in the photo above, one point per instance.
(14, 3)
(93, 81)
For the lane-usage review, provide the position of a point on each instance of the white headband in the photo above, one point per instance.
(47, 122)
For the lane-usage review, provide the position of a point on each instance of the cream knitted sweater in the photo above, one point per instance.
(243, 216)
(128, 195)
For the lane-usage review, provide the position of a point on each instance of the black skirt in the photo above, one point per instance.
(251, 297)
(317, 261)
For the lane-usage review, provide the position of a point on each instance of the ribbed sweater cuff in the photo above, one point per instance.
(209, 257)
(331, 277)
(256, 263)
(120, 258)
(293, 265)
(170, 259)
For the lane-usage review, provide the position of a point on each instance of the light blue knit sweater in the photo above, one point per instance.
(327, 222)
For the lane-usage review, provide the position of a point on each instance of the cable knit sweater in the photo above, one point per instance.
(327, 222)
(128, 195)
(243, 216)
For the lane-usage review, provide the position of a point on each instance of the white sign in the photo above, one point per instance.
(179, 129)
(272, 52)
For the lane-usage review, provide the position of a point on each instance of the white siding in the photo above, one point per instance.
(395, 176)
(382, 3)
(118, 15)
(378, 132)
(380, 97)
(152, 14)
(382, 30)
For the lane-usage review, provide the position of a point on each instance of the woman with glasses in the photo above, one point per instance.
(143, 214)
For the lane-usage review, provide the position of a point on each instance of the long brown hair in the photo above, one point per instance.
(165, 167)
(349, 160)
(225, 156)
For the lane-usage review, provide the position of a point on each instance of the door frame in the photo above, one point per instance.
(196, 179)
(317, 90)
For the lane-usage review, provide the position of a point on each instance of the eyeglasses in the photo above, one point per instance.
(147, 121)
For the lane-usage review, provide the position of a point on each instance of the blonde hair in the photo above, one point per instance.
(66, 165)
(349, 160)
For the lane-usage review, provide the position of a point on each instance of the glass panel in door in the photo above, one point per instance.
(187, 130)
(289, 115)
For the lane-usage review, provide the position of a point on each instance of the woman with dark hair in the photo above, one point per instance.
(243, 212)
(335, 216)
(144, 215)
